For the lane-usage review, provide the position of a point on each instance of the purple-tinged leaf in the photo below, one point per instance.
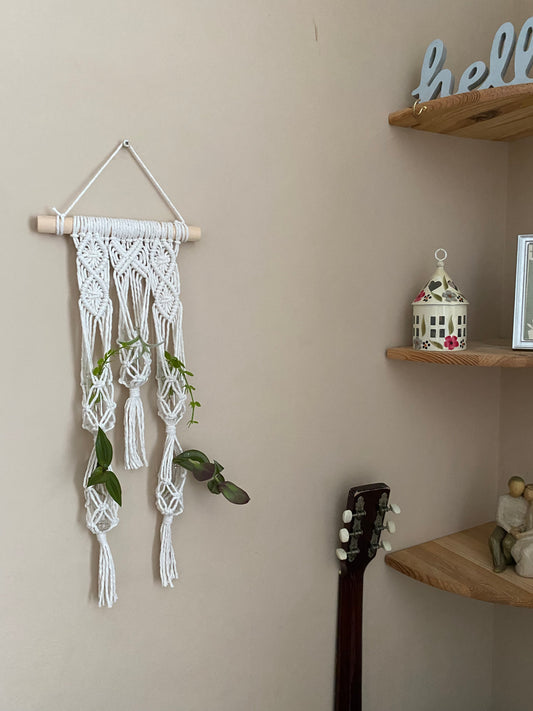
(234, 493)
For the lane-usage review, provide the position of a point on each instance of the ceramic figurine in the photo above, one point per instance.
(522, 551)
(511, 519)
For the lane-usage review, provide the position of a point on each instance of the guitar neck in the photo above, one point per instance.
(364, 520)
(348, 667)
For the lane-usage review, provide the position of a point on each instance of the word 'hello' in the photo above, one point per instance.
(435, 80)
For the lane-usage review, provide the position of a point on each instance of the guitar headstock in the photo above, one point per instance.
(364, 520)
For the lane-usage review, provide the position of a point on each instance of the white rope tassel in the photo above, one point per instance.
(169, 496)
(134, 449)
(167, 559)
(107, 588)
(129, 256)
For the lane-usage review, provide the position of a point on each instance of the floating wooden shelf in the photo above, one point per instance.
(496, 354)
(461, 563)
(504, 113)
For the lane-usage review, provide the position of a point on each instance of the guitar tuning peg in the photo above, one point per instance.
(344, 535)
(390, 526)
(341, 554)
(394, 508)
(385, 545)
(347, 516)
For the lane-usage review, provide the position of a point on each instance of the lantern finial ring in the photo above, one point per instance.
(440, 260)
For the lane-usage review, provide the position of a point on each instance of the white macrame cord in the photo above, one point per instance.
(171, 394)
(98, 405)
(142, 256)
(129, 257)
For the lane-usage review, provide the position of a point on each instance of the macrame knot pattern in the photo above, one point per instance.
(143, 259)
(171, 394)
(98, 404)
(129, 257)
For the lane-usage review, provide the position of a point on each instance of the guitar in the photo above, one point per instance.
(364, 520)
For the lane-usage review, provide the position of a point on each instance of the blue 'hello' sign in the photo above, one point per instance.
(436, 81)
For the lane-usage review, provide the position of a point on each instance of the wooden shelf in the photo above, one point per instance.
(494, 354)
(504, 113)
(461, 563)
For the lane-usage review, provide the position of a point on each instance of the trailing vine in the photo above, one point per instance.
(176, 364)
(191, 460)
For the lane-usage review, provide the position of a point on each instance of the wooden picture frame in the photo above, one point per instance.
(523, 303)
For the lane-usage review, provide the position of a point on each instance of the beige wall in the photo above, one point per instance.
(513, 655)
(266, 122)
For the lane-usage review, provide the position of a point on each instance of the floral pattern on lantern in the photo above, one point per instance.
(440, 313)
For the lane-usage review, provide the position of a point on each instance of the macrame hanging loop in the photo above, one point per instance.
(142, 258)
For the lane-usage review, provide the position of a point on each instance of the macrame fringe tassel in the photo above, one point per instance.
(170, 503)
(107, 589)
(167, 559)
(134, 451)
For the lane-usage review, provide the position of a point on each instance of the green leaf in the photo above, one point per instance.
(234, 493)
(97, 477)
(436, 296)
(437, 345)
(103, 448)
(127, 344)
(450, 325)
(218, 466)
(172, 361)
(192, 454)
(444, 282)
(213, 486)
(113, 487)
(201, 469)
(423, 326)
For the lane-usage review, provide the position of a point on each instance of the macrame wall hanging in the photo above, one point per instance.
(138, 259)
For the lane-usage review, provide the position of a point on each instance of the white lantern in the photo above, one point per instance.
(440, 313)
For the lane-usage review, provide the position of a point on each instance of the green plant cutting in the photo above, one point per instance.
(203, 469)
(191, 460)
(102, 474)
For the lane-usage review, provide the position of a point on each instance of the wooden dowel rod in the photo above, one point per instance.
(46, 224)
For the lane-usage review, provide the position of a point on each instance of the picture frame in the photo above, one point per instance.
(523, 303)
